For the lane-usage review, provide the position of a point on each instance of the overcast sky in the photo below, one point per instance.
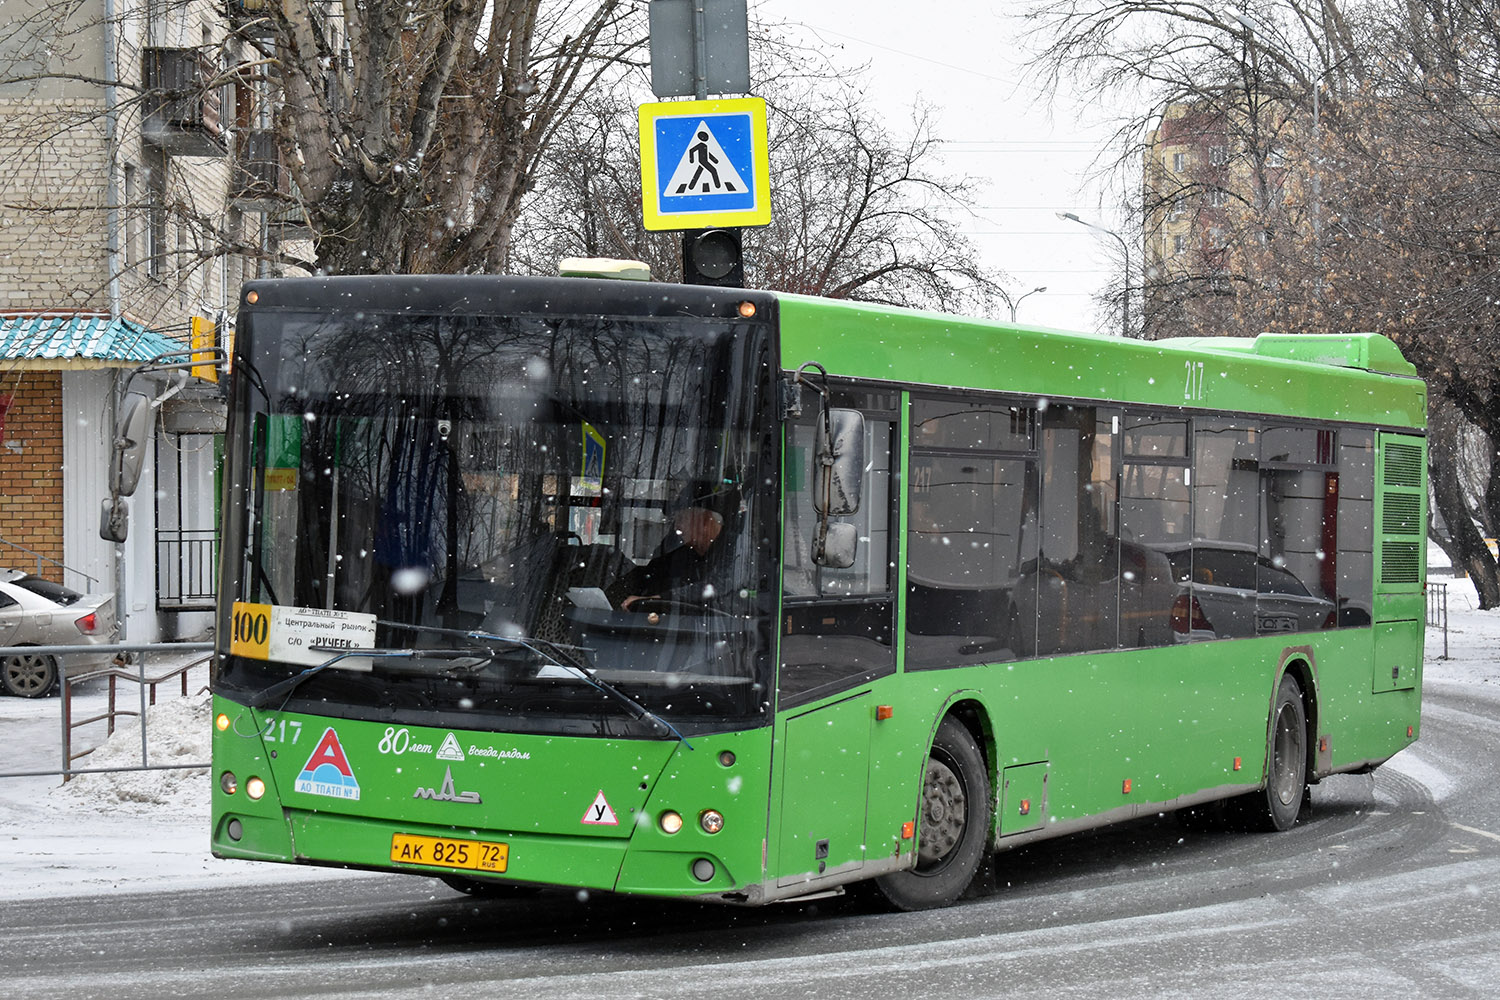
(965, 59)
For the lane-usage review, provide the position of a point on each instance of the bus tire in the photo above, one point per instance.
(954, 824)
(489, 888)
(1275, 808)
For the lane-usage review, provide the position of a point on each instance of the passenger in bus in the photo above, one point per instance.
(684, 568)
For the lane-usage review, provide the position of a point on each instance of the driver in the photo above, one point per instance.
(682, 568)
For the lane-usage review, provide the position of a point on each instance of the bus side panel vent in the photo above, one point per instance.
(1402, 513)
(1400, 562)
(1403, 465)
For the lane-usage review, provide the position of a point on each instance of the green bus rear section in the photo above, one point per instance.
(829, 791)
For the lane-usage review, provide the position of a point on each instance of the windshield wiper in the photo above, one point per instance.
(265, 696)
(557, 655)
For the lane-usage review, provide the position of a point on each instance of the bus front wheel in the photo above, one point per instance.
(489, 888)
(954, 824)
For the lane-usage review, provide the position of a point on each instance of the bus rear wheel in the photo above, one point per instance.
(1276, 807)
(954, 824)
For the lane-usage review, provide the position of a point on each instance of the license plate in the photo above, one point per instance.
(446, 852)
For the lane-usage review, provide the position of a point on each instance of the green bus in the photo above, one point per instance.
(738, 596)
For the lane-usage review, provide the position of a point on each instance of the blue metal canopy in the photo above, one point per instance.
(104, 341)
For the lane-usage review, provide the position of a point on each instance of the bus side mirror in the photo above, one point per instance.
(837, 477)
(839, 464)
(114, 520)
(834, 546)
(132, 434)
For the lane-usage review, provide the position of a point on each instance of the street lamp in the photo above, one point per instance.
(1016, 303)
(1124, 249)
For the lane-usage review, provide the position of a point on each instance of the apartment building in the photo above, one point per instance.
(1213, 184)
(138, 189)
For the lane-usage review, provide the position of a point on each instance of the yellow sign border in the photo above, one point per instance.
(655, 219)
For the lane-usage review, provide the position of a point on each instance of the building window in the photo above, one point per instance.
(132, 248)
(1218, 155)
(1179, 244)
(156, 214)
(1179, 162)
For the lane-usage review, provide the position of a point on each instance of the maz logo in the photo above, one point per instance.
(446, 793)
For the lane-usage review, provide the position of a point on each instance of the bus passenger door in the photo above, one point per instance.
(836, 633)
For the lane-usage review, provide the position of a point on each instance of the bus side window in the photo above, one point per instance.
(1077, 585)
(1298, 566)
(1356, 528)
(1216, 577)
(1156, 517)
(971, 531)
(837, 622)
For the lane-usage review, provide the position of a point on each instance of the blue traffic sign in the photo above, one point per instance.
(705, 164)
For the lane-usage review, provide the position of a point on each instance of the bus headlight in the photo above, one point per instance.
(255, 788)
(670, 821)
(228, 783)
(711, 820)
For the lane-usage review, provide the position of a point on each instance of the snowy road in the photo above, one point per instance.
(1391, 889)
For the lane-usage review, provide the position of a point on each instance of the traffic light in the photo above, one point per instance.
(713, 257)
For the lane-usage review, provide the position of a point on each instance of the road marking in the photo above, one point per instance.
(1477, 833)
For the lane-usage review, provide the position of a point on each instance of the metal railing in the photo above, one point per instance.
(148, 685)
(185, 569)
(1437, 610)
(89, 585)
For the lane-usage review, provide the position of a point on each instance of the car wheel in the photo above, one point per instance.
(28, 675)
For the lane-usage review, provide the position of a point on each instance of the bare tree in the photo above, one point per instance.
(1357, 189)
(860, 211)
(407, 131)
(414, 137)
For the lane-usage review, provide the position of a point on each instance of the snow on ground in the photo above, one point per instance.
(141, 831)
(113, 831)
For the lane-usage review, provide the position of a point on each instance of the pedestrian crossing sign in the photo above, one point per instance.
(704, 164)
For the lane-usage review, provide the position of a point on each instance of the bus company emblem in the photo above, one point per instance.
(450, 750)
(327, 771)
(446, 793)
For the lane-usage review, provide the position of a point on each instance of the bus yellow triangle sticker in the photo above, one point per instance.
(600, 814)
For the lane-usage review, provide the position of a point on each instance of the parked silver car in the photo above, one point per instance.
(1228, 590)
(34, 611)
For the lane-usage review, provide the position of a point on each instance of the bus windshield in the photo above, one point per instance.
(537, 500)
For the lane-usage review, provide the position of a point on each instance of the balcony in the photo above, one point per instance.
(182, 113)
(261, 181)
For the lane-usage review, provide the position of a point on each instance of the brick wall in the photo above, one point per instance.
(52, 183)
(31, 475)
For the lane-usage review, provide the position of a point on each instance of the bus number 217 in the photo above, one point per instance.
(1193, 385)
